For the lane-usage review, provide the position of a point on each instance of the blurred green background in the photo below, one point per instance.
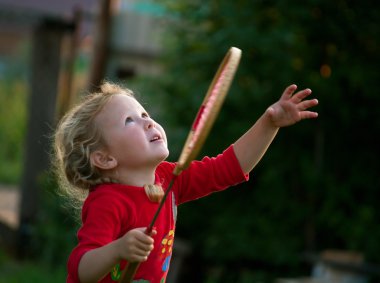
(317, 188)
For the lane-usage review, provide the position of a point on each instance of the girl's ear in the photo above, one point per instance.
(102, 160)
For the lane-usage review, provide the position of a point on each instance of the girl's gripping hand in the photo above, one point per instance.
(135, 245)
(291, 107)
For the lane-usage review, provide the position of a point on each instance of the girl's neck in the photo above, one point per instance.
(137, 178)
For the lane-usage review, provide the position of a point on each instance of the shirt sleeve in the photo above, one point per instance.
(209, 175)
(101, 215)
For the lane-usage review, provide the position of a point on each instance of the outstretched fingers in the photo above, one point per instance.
(306, 104)
(301, 95)
(288, 92)
(308, 115)
(295, 97)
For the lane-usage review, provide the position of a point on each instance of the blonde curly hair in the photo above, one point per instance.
(76, 137)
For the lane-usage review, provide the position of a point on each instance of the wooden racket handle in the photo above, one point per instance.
(129, 272)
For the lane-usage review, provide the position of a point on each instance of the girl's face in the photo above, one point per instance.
(132, 137)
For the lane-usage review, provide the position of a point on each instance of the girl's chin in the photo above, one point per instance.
(165, 155)
(162, 155)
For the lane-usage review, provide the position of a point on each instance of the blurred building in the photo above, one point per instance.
(137, 32)
(19, 18)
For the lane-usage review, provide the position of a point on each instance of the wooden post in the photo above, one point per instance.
(101, 46)
(66, 92)
(45, 65)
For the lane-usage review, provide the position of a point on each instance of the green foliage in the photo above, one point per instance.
(13, 113)
(13, 124)
(317, 187)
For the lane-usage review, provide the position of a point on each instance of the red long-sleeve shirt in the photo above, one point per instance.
(111, 210)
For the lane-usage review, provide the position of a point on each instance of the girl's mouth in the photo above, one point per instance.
(155, 138)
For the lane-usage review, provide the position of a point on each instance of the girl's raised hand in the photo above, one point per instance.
(291, 107)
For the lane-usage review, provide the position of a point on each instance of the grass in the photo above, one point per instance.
(12, 271)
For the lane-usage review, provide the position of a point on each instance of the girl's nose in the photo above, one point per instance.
(149, 123)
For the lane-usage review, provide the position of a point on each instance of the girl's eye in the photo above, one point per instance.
(145, 115)
(128, 120)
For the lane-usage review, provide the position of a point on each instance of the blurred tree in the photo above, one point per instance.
(318, 185)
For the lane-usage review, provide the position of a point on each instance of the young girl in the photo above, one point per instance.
(109, 149)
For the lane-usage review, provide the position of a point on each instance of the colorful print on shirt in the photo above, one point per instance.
(116, 272)
(167, 249)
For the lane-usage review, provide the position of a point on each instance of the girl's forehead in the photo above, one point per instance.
(124, 101)
(120, 104)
